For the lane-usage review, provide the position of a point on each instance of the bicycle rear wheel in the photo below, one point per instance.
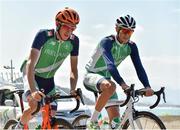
(146, 121)
(62, 124)
(10, 124)
(80, 122)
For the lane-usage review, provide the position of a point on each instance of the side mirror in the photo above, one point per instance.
(9, 102)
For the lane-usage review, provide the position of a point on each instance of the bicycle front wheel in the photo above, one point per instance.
(62, 124)
(10, 124)
(80, 122)
(146, 121)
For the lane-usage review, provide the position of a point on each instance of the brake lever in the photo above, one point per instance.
(158, 94)
(140, 92)
(164, 97)
(79, 93)
(128, 94)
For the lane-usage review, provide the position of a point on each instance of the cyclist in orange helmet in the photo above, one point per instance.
(49, 49)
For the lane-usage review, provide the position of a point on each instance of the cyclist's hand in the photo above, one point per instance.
(149, 92)
(74, 93)
(124, 86)
(37, 95)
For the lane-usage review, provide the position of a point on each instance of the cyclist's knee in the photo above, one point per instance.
(27, 111)
(26, 116)
(108, 86)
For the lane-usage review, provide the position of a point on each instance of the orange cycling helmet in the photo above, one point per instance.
(68, 16)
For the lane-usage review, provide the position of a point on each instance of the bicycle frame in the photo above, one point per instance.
(130, 112)
(46, 109)
(127, 114)
(46, 112)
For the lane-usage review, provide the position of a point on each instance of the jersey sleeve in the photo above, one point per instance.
(106, 46)
(39, 39)
(138, 65)
(75, 43)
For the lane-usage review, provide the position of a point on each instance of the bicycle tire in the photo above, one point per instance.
(80, 122)
(10, 124)
(62, 124)
(151, 121)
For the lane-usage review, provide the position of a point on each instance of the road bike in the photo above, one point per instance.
(47, 121)
(132, 118)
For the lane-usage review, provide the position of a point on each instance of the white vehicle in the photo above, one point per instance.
(10, 107)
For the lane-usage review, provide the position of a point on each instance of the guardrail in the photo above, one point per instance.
(5, 77)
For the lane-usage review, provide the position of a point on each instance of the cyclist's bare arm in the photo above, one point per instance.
(32, 60)
(74, 72)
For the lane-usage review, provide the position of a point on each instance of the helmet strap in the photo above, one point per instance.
(118, 31)
(117, 36)
(57, 30)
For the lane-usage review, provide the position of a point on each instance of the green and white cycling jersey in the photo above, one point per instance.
(52, 52)
(109, 53)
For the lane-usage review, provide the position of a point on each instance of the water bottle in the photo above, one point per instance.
(115, 123)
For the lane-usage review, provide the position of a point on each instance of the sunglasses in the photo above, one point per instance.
(126, 31)
(68, 26)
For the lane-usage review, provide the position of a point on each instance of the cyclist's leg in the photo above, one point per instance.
(113, 112)
(26, 115)
(54, 103)
(107, 88)
(48, 86)
(40, 83)
(99, 83)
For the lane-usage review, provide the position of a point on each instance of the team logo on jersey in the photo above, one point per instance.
(50, 33)
(72, 37)
(53, 43)
(66, 46)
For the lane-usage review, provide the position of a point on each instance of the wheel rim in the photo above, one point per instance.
(80, 123)
(145, 123)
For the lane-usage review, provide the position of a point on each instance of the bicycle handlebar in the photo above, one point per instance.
(130, 92)
(158, 94)
(49, 99)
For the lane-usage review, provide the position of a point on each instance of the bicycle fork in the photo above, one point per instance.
(131, 114)
(134, 123)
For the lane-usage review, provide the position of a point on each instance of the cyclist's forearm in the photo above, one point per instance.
(73, 80)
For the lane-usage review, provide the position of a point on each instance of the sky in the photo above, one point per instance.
(157, 36)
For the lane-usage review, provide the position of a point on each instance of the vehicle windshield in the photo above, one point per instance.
(4, 96)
